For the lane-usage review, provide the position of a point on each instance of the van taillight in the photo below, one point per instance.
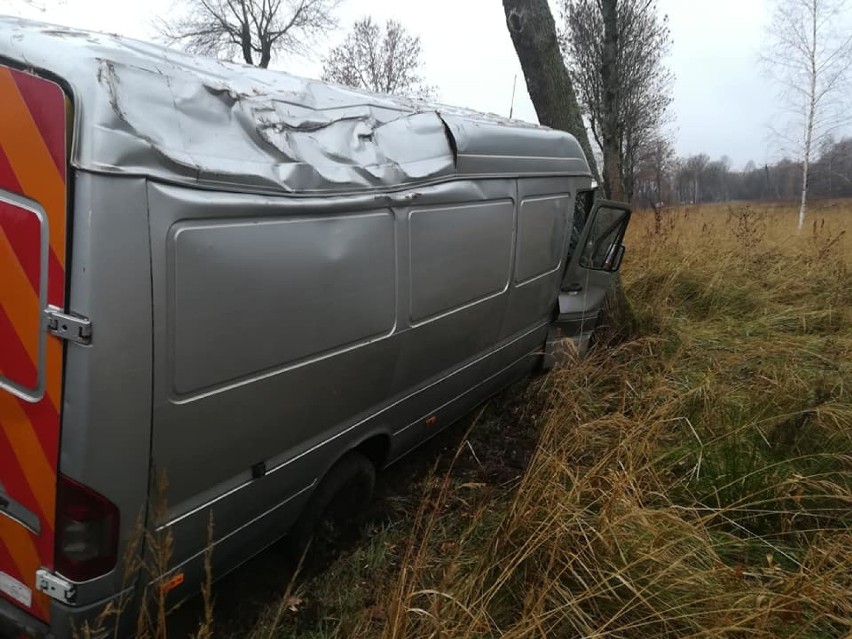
(86, 532)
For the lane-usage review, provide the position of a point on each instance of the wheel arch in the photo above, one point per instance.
(376, 448)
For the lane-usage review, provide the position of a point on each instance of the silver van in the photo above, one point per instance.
(260, 287)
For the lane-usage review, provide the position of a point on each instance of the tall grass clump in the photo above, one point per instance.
(692, 480)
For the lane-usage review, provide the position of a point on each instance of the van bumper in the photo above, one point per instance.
(17, 624)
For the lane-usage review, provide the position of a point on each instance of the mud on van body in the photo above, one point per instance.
(239, 278)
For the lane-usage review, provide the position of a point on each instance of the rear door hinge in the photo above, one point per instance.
(55, 586)
(71, 327)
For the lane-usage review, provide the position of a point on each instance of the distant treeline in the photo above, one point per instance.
(700, 179)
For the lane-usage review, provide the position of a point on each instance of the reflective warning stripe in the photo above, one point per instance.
(20, 300)
(40, 473)
(33, 165)
(25, 557)
(27, 151)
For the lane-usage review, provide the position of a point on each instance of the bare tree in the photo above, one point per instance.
(808, 54)
(533, 33)
(695, 166)
(833, 170)
(254, 30)
(652, 177)
(699, 179)
(615, 51)
(383, 59)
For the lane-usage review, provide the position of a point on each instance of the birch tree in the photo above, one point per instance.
(808, 54)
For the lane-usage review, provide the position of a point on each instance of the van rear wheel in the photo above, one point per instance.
(335, 510)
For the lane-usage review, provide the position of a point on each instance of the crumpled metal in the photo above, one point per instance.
(145, 109)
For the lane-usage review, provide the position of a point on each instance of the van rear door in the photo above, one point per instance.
(33, 196)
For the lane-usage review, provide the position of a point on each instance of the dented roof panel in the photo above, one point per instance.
(149, 110)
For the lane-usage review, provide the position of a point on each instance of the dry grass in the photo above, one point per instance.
(692, 481)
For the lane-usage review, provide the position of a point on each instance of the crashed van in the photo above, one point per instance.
(258, 287)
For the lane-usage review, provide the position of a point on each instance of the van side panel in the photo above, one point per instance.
(456, 297)
(249, 295)
(106, 419)
(459, 255)
(276, 397)
(545, 211)
(32, 275)
(322, 352)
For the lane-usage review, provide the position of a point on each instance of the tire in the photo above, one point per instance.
(333, 514)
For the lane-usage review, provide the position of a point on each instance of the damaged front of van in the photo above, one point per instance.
(595, 252)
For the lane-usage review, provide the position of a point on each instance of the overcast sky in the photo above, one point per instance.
(722, 101)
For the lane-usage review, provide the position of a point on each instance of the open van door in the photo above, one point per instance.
(33, 197)
(591, 272)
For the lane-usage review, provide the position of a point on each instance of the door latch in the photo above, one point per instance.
(55, 586)
(71, 327)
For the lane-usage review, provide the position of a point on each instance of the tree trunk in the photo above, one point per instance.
(533, 33)
(245, 45)
(809, 122)
(612, 179)
(658, 180)
(245, 35)
(628, 178)
(265, 55)
(803, 205)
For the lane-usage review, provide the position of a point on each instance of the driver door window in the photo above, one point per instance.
(602, 249)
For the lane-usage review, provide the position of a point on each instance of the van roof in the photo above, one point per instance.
(145, 109)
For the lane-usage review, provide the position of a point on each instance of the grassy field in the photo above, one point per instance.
(691, 477)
